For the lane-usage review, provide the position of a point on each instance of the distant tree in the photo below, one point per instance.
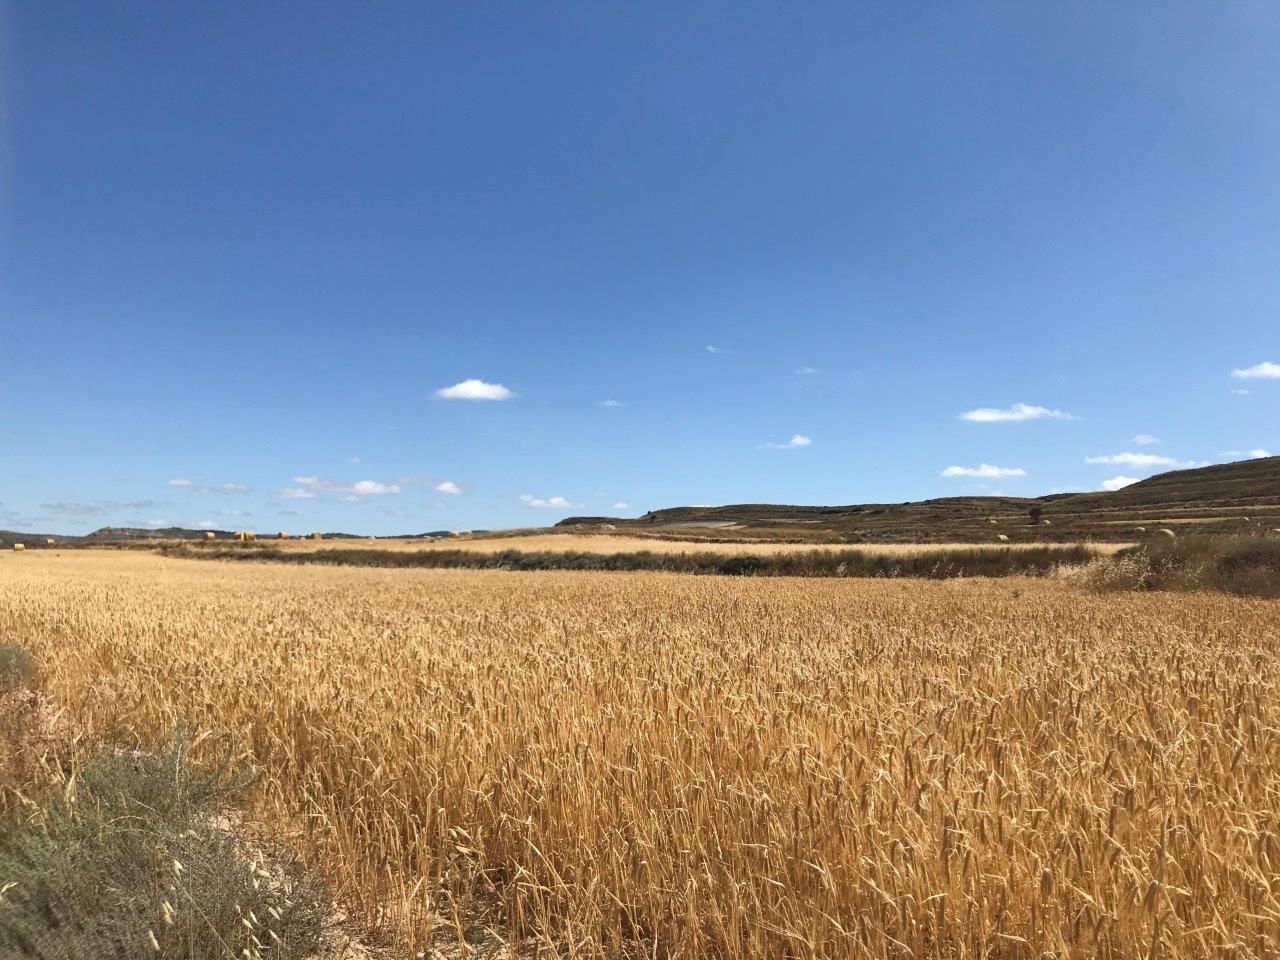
(1035, 514)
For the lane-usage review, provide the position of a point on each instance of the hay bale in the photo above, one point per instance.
(1002, 537)
(19, 546)
(210, 535)
(1167, 533)
(282, 535)
(317, 535)
(1046, 523)
(50, 542)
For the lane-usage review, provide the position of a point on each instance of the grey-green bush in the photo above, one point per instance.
(131, 860)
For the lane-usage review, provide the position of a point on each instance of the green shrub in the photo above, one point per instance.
(129, 859)
(16, 668)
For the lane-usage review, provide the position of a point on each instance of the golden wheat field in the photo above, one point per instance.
(650, 765)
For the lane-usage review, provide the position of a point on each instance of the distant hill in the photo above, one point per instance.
(1233, 498)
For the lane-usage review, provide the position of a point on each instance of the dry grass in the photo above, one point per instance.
(600, 765)
(607, 543)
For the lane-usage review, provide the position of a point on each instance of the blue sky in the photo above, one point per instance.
(244, 246)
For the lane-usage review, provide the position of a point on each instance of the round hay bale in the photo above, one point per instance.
(1274, 532)
(282, 535)
(317, 535)
(210, 535)
(1166, 533)
(1046, 523)
(50, 542)
(19, 546)
(1002, 537)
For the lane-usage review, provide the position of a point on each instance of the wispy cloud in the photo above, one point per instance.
(622, 505)
(1135, 459)
(475, 390)
(448, 486)
(1014, 414)
(1240, 391)
(188, 484)
(1257, 453)
(610, 403)
(984, 470)
(1267, 370)
(80, 508)
(1117, 483)
(806, 371)
(550, 503)
(712, 348)
(297, 493)
(796, 442)
(1145, 439)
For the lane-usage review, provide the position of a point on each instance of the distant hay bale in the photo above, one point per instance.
(19, 546)
(50, 542)
(317, 535)
(210, 535)
(1046, 523)
(246, 535)
(992, 520)
(1002, 537)
(608, 526)
(282, 535)
(1166, 532)
(455, 533)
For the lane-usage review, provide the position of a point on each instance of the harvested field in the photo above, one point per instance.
(617, 765)
(606, 543)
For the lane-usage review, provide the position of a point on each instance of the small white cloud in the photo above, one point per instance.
(1017, 413)
(475, 390)
(1259, 371)
(1240, 391)
(448, 486)
(610, 403)
(1258, 454)
(1145, 439)
(712, 348)
(1116, 483)
(621, 505)
(372, 488)
(206, 524)
(309, 481)
(180, 482)
(797, 441)
(984, 470)
(550, 503)
(158, 523)
(229, 488)
(297, 493)
(1135, 459)
(353, 459)
(806, 371)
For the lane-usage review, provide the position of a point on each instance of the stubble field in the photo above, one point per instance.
(615, 765)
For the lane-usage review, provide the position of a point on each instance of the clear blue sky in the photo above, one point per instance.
(244, 245)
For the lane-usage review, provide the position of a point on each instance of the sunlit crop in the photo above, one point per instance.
(616, 765)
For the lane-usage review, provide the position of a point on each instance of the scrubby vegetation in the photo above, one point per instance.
(16, 669)
(130, 856)
(937, 564)
(1245, 567)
